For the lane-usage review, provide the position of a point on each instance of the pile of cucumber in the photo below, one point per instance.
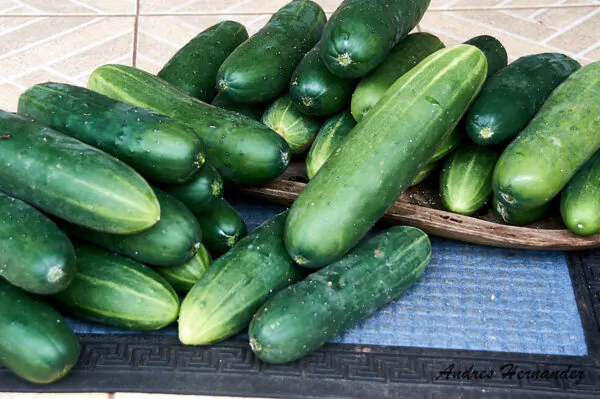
(112, 195)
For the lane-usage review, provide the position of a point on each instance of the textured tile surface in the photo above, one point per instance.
(67, 6)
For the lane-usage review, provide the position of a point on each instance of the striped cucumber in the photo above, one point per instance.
(241, 149)
(72, 180)
(158, 147)
(114, 290)
(194, 67)
(303, 317)
(382, 155)
(561, 138)
(425, 173)
(328, 140)
(183, 277)
(222, 302)
(580, 200)
(518, 217)
(201, 192)
(448, 144)
(35, 254)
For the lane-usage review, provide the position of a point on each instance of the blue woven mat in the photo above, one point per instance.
(470, 297)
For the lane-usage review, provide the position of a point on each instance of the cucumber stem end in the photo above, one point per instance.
(344, 59)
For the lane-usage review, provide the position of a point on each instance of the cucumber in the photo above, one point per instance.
(222, 227)
(511, 97)
(243, 150)
(222, 302)
(494, 52)
(376, 164)
(518, 217)
(315, 90)
(448, 144)
(561, 138)
(71, 180)
(158, 147)
(466, 179)
(114, 290)
(296, 128)
(580, 200)
(40, 266)
(175, 239)
(35, 342)
(253, 111)
(328, 140)
(403, 57)
(301, 318)
(260, 69)
(201, 192)
(183, 277)
(425, 173)
(361, 33)
(194, 67)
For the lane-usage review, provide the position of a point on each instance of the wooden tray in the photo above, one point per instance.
(420, 206)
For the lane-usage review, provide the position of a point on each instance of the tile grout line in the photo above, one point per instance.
(136, 29)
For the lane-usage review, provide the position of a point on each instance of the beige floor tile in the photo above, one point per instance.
(224, 6)
(69, 6)
(581, 34)
(562, 17)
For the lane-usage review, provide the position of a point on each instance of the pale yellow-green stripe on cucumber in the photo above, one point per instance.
(183, 277)
(382, 155)
(559, 140)
(580, 200)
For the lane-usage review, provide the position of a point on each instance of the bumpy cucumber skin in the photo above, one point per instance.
(35, 254)
(175, 239)
(253, 111)
(518, 217)
(222, 227)
(194, 67)
(403, 57)
(361, 33)
(315, 90)
(35, 342)
(118, 291)
(158, 147)
(494, 51)
(243, 150)
(296, 128)
(382, 155)
(328, 140)
(580, 200)
(201, 192)
(223, 301)
(72, 180)
(559, 140)
(301, 318)
(511, 97)
(183, 277)
(466, 179)
(260, 69)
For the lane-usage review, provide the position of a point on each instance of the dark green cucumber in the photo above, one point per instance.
(253, 111)
(466, 179)
(35, 254)
(382, 155)
(580, 200)
(183, 277)
(361, 33)
(194, 67)
(72, 180)
(328, 140)
(222, 227)
(175, 239)
(303, 317)
(448, 144)
(518, 217)
(118, 291)
(296, 128)
(243, 150)
(260, 69)
(511, 97)
(315, 90)
(425, 172)
(561, 138)
(158, 147)
(201, 192)
(403, 57)
(222, 302)
(35, 342)
(494, 52)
